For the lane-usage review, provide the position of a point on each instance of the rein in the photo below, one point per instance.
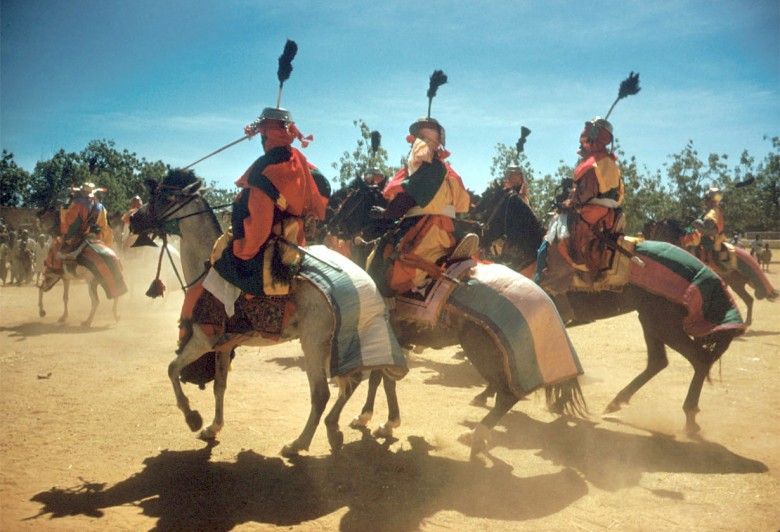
(157, 288)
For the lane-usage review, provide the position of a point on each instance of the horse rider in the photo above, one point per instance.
(426, 196)
(85, 219)
(593, 204)
(515, 183)
(374, 177)
(711, 226)
(128, 239)
(277, 192)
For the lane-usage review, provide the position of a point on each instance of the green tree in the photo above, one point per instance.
(15, 182)
(52, 180)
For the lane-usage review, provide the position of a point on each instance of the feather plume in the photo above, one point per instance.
(628, 87)
(524, 132)
(285, 61)
(438, 78)
(376, 140)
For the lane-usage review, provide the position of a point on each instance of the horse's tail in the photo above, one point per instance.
(565, 398)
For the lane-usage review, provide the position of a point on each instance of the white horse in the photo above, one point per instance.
(312, 321)
(179, 198)
(78, 273)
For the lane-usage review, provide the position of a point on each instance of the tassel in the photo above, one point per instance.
(376, 140)
(156, 289)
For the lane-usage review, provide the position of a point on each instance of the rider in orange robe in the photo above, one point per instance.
(277, 191)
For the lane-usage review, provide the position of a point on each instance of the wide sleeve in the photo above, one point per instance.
(257, 224)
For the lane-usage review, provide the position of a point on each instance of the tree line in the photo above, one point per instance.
(676, 191)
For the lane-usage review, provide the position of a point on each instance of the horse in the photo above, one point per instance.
(177, 198)
(662, 320)
(357, 214)
(748, 271)
(71, 271)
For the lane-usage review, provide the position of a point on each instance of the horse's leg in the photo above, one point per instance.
(505, 400)
(385, 430)
(656, 362)
(93, 297)
(222, 367)
(481, 398)
(198, 345)
(335, 436)
(41, 310)
(65, 298)
(319, 393)
(737, 284)
(367, 412)
(115, 309)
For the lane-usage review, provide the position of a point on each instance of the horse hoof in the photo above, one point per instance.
(207, 435)
(385, 430)
(291, 450)
(361, 420)
(478, 401)
(194, 421)
(612, 407)
(86, 324)
(42, 313)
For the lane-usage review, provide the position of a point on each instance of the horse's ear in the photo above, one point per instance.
(203, 191)
(151, 185)
(193, 188)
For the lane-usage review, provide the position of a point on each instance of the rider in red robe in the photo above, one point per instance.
(597, 194)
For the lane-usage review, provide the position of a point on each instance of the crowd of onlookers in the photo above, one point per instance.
(21, 255)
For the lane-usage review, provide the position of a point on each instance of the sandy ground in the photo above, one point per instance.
(93, 440)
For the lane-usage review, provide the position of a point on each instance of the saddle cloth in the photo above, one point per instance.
(424, 305)
(105, 266)
(362, 338)
(524, 324)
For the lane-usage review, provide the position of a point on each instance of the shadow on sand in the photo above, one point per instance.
(384, 490)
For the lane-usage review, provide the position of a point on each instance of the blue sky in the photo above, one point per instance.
(173, 80)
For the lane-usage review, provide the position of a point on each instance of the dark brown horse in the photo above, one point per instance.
(748, 272)
(662, 320)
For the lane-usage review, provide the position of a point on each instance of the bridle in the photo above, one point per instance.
(163, 223)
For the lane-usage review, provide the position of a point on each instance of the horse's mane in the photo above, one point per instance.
(179, 178)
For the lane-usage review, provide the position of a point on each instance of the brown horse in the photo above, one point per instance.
(748, 272)
(662, 320)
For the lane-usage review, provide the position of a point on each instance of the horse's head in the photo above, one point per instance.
(507, 216)
(353, 215)
(667, 230)
(167, 199)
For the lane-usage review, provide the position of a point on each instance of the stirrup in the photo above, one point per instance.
(466, 248)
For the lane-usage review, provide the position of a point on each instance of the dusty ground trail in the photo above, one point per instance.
(93, 440)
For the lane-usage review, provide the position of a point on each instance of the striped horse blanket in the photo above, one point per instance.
(105, 266)
(524, 324)
(678, 276)
(362, 338)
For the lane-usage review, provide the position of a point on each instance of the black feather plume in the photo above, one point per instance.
(524, 132)
(628, 87)
(438, 78)
(376, 140)
(285, 61)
